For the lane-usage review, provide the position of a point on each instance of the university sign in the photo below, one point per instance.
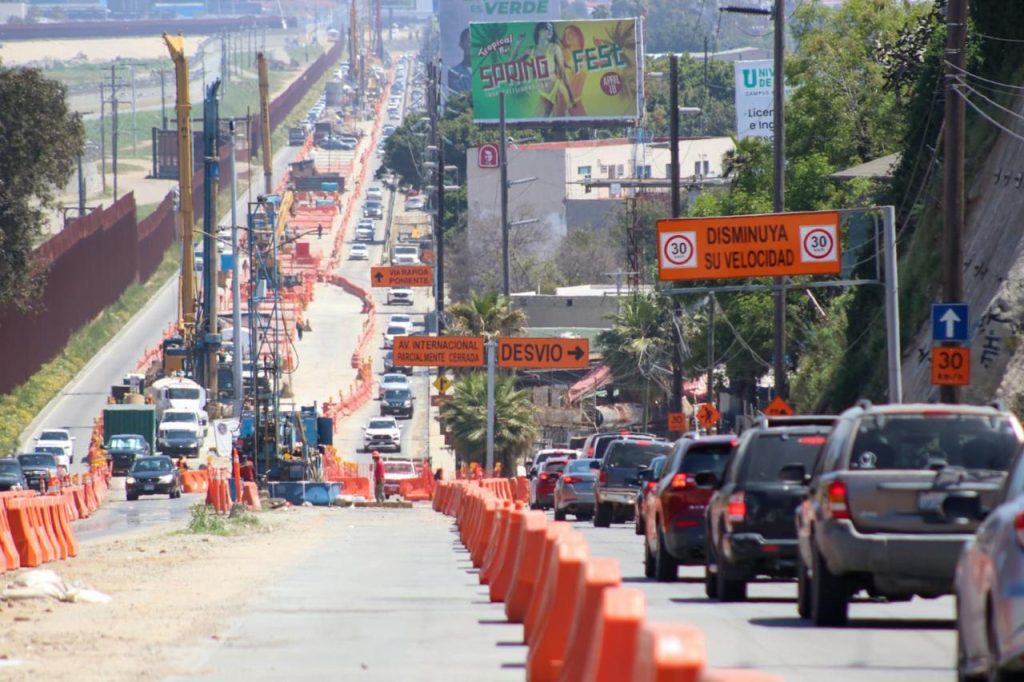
(734, 247)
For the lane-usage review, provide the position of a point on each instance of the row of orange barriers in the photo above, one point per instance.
(579, 622)
(36, 529)
(218, 491)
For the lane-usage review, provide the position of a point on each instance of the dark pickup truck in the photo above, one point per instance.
(750, 518)
(619, 478)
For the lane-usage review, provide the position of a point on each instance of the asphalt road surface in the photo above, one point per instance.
(119, 517)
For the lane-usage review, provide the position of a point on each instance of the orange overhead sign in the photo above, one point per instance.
(543, 353)
(768, 245)
(708, 415)
(677, 421)
(951, 366)
(779, 408)
(401, 276)
(438, 351)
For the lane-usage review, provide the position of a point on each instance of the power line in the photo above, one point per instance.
(988, 118)
(998, 38)
(990, 101)
(982, 78)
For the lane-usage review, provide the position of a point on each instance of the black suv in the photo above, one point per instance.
(619, 478)
(397, 401)
(750, 518)
(39, 468)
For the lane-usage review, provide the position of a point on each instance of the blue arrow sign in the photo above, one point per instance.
(949, 322)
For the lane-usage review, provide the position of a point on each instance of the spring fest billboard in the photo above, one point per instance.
(586, 71)
(454, 18)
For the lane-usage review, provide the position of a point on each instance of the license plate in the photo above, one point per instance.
(148, 486)
(930, 502)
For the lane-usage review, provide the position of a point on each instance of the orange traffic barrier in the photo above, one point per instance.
(90, 494)
(547, 645)
(356, 485)
(669, 652)
(490, 567)
(483, 526)
(507, 555)
(64, 525)
(526, 565)
(83, 507)
(522, 489)
(9, 558)
(552, 537)
(211, 488)
(196, 481)
(251, 496)
(600, 574)
(23, 531)
(48, 513)
(616, 630)
(43, 534)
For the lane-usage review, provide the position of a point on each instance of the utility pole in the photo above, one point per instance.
(236, 288)
(135, 127)
(439, 230)
(953, 167)
(224, 78)
(163, 101)
(673, 106)
(113, 126)
(711, 347)
(103, 138)
(490, 345)
(81, 188)
(506, 275)
(778, 14)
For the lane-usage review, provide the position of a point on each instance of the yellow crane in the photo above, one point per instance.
(187, 282)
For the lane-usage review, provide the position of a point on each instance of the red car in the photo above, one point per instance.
(674, 508)
(542, 487)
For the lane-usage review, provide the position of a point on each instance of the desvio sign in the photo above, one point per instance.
(543, 353)
(734, 247)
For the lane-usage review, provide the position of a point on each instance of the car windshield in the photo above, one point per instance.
(933, 441)
(153, 464)
(124, 443)
(37, 460)
(180, 417)
(53, 435)
(399, 468)
(382, 424)
(394, 379)
(50, 449)
(556, 466)
(396, 394)
(183, 394)
(580, 466)
(700, 458)
(635, 454)
(395, 330)
(9, 467)
(177, 434)
(771, 451)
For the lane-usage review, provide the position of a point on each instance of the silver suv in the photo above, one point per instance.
(893, 496)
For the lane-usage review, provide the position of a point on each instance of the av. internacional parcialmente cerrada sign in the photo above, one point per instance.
(566, 71)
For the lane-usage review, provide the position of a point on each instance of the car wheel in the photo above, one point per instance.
(666, 568)
(961, 659)
(729, 589)
(649, 560)
(584, 516)
(710, 574)
(559, 514)
(803, 588)
(638, 524)
(830, 601)
(131, 498)
(603, 515)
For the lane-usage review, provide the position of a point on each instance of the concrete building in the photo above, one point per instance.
(558, 197)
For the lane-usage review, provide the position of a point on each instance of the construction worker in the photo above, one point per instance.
(246, 471)
(378, 477)
(182, 464)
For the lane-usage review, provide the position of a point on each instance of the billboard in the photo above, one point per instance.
(454, 17)
(754, 103)
(587, 70)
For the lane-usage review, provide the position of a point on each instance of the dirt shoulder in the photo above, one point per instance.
(167, 589)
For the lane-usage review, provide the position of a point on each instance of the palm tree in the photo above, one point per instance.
(486, 314)
(638, 347)
(515, 426)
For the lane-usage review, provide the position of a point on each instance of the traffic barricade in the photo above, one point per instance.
(506, 554)
(552, 537)
(251, 496)
(612, 654)
(9, 559)
(669, 652)
(599, 574)
(557, 606)
(23, 531)
(501, 523)
(526, 565)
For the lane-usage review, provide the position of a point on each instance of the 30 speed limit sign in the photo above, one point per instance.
(678, 250)
(818, 243)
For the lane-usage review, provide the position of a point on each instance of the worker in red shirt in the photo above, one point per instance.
(247, 471)
(378, 477)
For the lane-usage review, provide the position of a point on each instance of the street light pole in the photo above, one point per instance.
(673, 105)
(491, 345)
(506, 277)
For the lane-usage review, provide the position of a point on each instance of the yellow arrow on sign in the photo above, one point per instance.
(442, 383)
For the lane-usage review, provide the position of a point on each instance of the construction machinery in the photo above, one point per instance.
(268, 157)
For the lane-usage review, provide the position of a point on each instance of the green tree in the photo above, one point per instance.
(486, 314)
(638, 348)
(515, 424)
(39, 141)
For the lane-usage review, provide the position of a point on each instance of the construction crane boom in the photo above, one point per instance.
(268, 159)
(187, 283)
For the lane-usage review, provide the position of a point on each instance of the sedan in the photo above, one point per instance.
(11, 477)
(399, 295)
(358, 252)
(574, 491)
(989, 598)
(152, 476)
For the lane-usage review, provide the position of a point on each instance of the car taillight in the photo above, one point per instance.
(1018, 528)
(680, 481)
(590, 451)
(650, 485)
(736, 510)
(569, 479)
(543, 477)
(811, 440)
(603, 477)
(837, 502)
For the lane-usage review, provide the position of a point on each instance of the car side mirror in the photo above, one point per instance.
(794, 473)
(706, 479)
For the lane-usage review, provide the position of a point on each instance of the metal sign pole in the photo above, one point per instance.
(892, 306)
(491, 345)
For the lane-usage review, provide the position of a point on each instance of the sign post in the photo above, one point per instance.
(491, 345)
